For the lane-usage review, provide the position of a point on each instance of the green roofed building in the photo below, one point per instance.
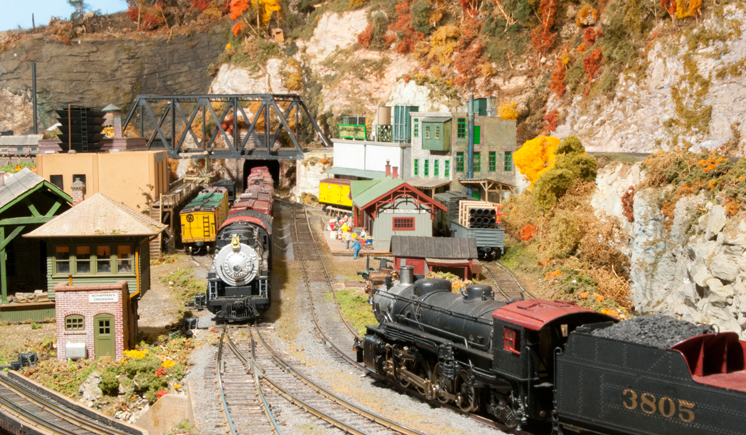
(26, 201)
(389, 206)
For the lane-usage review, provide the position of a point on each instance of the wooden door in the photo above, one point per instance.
(103, 337)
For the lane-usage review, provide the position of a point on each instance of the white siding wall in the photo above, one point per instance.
(376, 156)
(347, 155)
(383, 226)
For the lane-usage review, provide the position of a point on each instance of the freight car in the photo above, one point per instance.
(201, 218)
(488, 234)
(335, 193)
(238, 281)
(537, 361)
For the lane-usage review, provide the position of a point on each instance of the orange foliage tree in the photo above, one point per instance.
(669, 6)
(592, 63)
(365, 36)
(238, 7)
(237, 28)
(200, 5)
(466, 62)
(587, 16)
(408, 36)
(558, 83)
(551, 119)
(542, 37)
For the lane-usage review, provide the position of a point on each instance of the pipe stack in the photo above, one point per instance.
(478, 214)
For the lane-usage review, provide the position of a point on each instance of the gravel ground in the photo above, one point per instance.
(289, 327)
(654, 330)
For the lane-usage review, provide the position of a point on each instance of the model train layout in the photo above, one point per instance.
(238, 287)
(536, 360)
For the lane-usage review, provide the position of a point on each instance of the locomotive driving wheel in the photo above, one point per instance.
(423, 370)
(443, 384)
(468, 398)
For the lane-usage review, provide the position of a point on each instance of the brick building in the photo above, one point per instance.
(98, 316)
(440, 152)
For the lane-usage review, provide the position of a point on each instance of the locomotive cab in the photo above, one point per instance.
(526, 335)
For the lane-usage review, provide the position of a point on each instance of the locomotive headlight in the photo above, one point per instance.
(237, 265)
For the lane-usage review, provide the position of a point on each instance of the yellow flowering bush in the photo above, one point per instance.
(168, 364)
(536, 157)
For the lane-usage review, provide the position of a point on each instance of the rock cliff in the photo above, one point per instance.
(694, 270)
(96, 73)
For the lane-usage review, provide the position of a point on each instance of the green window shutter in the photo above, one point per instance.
(460, 162)
(493, 161)
(427, 168)
(437, 132)
(416, 127)
(447, 169)
(477, 135)
(436, 168)
(461, 128)
(477, 162)
(416, 167)
(508, 161)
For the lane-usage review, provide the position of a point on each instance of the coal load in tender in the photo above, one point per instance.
(657, 331)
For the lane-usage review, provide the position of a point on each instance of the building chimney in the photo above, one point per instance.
(395, 172)
(78, 188)
(114, 119)
(2, 178)
(388, 168)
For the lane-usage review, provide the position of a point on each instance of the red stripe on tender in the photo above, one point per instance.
(250, 219)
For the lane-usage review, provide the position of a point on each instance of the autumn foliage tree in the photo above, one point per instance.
(558, 83)
(542, 37)
(536, 157)
(592, 63)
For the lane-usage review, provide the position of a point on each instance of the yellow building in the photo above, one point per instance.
(134, 178)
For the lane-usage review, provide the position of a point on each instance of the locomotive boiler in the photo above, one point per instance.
(533, 361)
(238, 287)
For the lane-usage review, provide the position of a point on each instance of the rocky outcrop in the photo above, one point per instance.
(697, 269)
(101, 72)
(643, 114)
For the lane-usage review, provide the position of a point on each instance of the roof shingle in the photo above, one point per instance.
(99, 215)
(433, 247)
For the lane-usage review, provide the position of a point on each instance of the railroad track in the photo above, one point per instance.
(331, 325)
(29, 409)
(506, 283)
(285, 382)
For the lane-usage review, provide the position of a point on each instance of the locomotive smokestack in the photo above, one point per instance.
(406, 275)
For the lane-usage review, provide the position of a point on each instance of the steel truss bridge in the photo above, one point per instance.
(271, 131)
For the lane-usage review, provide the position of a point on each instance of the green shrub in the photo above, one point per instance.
(550, 187)
(420, 11)
(35, 325)
(582, 166)
(109, 383)
(570, 145)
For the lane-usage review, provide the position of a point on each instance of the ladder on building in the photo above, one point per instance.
(206, 226)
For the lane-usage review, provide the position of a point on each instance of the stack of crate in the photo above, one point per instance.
(478, 214)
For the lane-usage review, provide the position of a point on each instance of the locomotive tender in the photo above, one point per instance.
(238, 281)
(538, 360)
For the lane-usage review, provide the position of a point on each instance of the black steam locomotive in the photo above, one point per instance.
(238, 287)
(537, 360)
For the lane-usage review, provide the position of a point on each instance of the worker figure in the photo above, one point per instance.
(356, 247)
(348, 240)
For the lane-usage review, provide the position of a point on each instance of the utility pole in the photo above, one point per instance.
(33, 24)
(33, 96)
(470, 157)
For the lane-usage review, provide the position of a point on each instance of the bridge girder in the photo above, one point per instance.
(284, 109)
